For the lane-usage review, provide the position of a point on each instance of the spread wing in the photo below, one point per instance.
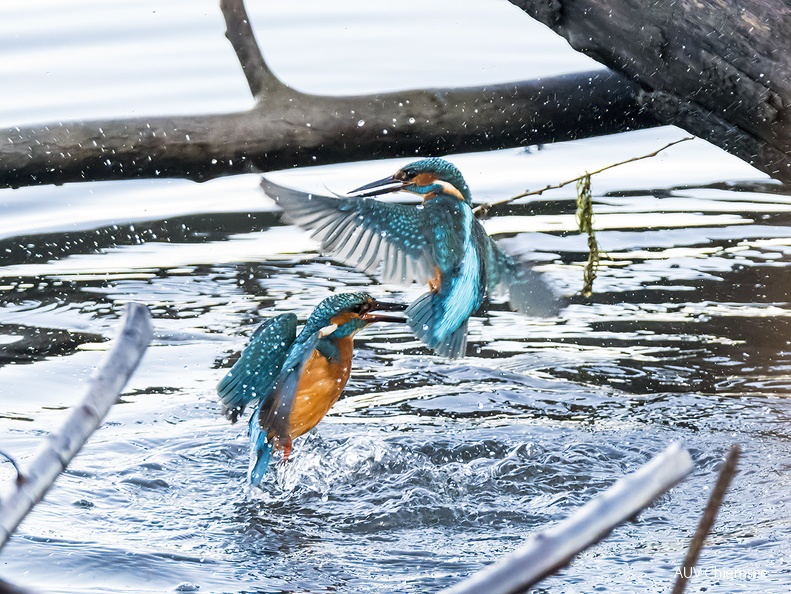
(362, 232)
(253, 376)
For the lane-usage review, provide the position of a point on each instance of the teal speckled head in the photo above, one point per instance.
(344, 314)
(428, 178)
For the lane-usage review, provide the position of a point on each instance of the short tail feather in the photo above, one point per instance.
(421, 318)
(528, 292)
(260, 452)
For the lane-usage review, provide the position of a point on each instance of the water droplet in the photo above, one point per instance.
(360, 123)
(411, 120)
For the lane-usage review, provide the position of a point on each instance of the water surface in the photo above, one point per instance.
(427, 469)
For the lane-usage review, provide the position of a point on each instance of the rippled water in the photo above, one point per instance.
(426, 469)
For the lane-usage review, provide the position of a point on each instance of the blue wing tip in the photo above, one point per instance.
(260, 453)
(253, 374)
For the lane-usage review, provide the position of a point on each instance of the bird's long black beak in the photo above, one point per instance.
(381, 186)
(385, 306)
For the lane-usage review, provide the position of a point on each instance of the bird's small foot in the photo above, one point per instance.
(286, 449)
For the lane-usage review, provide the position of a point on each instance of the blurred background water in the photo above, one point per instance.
(427, 469)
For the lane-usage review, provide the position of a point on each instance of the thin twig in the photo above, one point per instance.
(727, 473)
(547, 551)
(482, 211)
(260, 78)
(61, 447)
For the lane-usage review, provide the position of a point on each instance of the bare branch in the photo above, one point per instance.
(482, 211)
(290, 129)
(718, 70)
(260, 78)
(320, 130)
(547, 551)
(61, 447)
(727, 473)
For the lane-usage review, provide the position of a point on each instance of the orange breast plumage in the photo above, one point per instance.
(319, 388)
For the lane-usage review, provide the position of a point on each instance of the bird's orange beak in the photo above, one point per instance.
(381, 186)
(371, 317)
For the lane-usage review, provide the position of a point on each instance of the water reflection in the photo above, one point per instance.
(427, 468)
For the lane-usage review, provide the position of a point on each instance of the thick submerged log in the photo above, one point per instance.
(292, 129)
(720, 70)
(287, 128)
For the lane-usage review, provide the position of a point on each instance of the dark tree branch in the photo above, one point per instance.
(261, 80)
(58, 450)
(721, 70)
(288, 128)
(9, 588)
(724, 478)
(724, 77)
(296, 129)
(669, 109)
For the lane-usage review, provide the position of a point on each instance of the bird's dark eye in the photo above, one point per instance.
(360, 308)
(410, 173)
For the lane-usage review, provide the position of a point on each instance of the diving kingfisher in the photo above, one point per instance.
(439, 242)
(293, 379)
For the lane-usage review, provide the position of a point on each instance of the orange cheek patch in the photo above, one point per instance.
(342, 318)
(424, 179)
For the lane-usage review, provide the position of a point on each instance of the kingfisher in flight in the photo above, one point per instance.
(293, 380)
(438, 242)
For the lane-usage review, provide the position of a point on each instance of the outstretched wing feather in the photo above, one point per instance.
(253, 376)
(358, 231)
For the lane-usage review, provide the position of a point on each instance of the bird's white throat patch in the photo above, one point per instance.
(327, 330)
